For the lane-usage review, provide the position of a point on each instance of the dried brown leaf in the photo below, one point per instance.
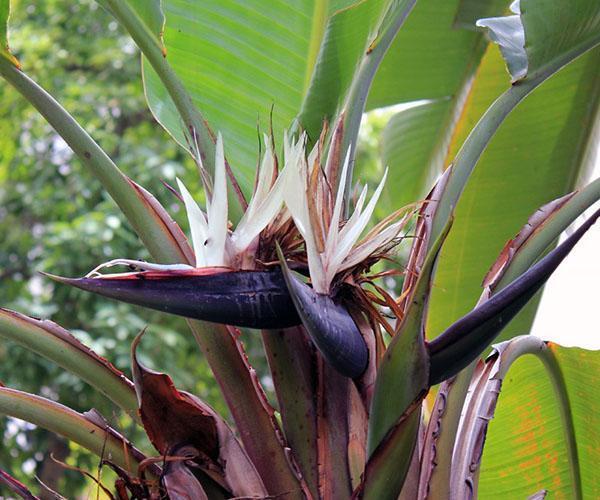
(174, 418)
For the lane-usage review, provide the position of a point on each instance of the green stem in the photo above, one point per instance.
(194, 122)
(480, 410)
(292, 359)
(56, 344)
(70, 424)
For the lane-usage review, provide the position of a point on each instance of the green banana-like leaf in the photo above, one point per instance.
(239, 59)
(434, 52)
(545, 431)
(522, 38)
(535, 157)
(440, 50)
(411, 143)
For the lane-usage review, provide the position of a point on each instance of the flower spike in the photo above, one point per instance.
(336, 251)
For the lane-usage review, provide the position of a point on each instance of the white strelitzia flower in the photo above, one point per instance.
(213, 243)
(301, 191)
(332, 250)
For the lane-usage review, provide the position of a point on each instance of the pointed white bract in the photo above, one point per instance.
(296, 199)
(265, 204)
(214, 244)
(340, 251)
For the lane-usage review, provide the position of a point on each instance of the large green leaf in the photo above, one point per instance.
(239, 59)
(532, 159)
(528, 441)
(522, 38)
(410, 147)
(440, 50)
(434, 51)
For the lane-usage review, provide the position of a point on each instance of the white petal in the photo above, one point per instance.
(361, 252)
(349, 238)
(332, 234)
(296, 200)
(217, 211)
(198, 225)
(356, 214)
(250, 227)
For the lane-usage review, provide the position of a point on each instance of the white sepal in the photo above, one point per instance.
(217, 212)
(265, 203)
(353, 229)
(296, 199)
(198, 225)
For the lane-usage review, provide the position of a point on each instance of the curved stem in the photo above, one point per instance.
(56, 344)
(100, 440)
(194, 122)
